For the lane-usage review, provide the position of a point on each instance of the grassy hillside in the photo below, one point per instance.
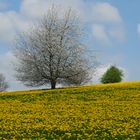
(98, 112)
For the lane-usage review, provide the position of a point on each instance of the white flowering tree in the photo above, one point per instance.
(52, 52)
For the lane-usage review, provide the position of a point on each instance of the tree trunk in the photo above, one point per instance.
(53, 84)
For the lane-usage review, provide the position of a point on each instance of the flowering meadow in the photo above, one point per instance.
(100, 112)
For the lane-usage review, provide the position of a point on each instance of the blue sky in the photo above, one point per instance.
(112, 28)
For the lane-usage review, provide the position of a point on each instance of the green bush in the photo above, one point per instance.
(112, 75)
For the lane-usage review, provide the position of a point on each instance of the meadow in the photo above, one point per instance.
(100, 112)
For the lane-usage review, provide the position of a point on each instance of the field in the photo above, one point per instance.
(100, 112)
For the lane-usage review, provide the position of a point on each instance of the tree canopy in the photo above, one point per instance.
(112, 75)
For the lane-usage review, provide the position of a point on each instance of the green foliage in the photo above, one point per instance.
(112, 75)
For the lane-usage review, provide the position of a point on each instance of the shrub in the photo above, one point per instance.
(112, 75)
(3, 83)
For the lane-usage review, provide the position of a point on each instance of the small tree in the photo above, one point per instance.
(112, 75)
(3, 83)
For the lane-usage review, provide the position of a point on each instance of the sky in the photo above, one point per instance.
(112, 29)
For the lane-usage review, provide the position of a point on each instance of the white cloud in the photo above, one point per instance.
(100, 34)
(35, 8)
(102, 13)
(30, 10)
(99, 72)
(6, 28)
(106, 36)
(7, 69)
(138, 29)
(125, 73)
(108, 24)
(11, 23)
(118, 33)
(105, 12)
